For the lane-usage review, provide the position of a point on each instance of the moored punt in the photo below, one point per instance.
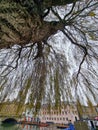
(41, 124)
(62, 126)
(28, 123)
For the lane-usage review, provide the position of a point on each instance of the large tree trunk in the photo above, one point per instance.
(50, 3)
(20, 26)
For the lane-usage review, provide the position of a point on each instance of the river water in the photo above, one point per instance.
(25, 127)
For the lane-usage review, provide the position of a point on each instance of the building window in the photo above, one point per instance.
(65, 112)
(63, 119)
(54, 118)
(60, 118)
(76, 118)
(66, 118)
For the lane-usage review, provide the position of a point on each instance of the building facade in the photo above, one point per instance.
(62, 116)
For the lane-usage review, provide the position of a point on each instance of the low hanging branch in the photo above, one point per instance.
(23, 23)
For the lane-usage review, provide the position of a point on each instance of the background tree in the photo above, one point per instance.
(48, 51)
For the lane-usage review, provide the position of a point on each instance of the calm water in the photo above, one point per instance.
(24, 127)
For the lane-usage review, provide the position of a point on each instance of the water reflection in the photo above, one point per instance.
(24, 127)
(10, 127)
(30, 127)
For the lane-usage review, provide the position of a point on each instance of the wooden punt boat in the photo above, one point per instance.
(62, 126)
(40, 124)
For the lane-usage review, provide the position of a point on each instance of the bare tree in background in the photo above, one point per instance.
(48, 51)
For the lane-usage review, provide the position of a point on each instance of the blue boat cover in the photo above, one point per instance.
(71, 127)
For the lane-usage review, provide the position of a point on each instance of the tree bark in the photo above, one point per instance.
(50, 3)
(19, 26)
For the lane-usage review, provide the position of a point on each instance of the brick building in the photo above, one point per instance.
(62, 115)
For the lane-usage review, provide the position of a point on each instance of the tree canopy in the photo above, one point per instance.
(48, 51)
